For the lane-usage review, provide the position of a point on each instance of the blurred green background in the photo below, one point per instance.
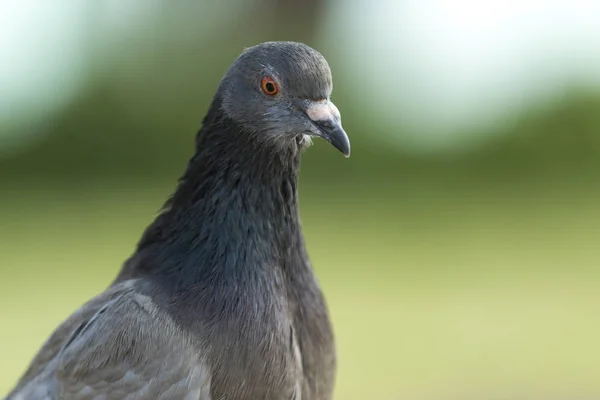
(457, 247)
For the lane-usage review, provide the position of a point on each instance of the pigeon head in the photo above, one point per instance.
(278, 92)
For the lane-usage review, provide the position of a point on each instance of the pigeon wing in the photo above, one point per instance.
(128, 349)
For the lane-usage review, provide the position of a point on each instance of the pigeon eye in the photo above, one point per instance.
(269, 86)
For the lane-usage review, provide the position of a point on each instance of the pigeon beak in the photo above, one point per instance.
(326, 118)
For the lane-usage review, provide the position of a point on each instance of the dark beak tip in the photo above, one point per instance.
(339, 139)
(345, 150)
(344, 146)
(333, 132)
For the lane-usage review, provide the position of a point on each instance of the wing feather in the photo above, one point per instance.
(126, 349)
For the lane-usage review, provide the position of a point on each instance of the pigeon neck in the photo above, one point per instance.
(234, 209)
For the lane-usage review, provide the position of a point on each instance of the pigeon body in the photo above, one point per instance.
(219, 300)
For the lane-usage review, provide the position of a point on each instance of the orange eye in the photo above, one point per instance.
(269, 86)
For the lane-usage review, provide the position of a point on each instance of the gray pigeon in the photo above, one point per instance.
(219, 300)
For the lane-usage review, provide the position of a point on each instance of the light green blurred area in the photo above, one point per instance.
(470, 274)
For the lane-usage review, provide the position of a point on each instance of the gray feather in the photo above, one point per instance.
(128, 349)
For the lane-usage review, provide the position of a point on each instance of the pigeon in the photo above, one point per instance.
(219, 300)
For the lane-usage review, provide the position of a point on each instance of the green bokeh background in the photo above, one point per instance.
(464, 275)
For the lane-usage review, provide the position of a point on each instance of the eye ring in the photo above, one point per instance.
(269, 86)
